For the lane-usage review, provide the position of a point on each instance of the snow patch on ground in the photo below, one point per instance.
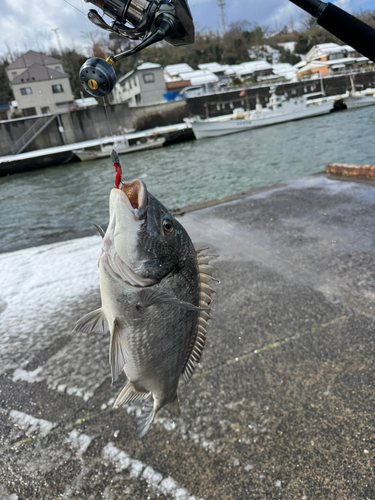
(121, 460)
(29, 424)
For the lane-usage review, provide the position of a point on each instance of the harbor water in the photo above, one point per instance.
(63, 202)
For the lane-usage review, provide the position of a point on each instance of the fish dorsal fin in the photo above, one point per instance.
(117, 352)
(129, 393)
(93, 322)
(205, 272)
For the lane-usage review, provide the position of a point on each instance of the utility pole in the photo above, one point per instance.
(56, 30)
(221, 4)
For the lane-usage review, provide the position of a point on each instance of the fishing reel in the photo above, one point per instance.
(148, 20)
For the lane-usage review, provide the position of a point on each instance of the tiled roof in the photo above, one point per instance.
(31, 57)
(38, 73)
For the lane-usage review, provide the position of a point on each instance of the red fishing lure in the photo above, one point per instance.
(116, 164)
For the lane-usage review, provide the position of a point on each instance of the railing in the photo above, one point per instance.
(31, 133)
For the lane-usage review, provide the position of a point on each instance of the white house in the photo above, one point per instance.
(253, 69)
(39, 84)
(326, 59)
(141, 86)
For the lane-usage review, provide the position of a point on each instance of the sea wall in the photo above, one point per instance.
(87, 124)
(92, 123)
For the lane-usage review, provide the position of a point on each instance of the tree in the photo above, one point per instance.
(6, 92)
(286, 56)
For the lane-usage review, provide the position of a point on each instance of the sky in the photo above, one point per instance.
(29, 24)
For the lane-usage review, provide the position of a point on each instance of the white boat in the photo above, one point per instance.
(121, 145)
(278, 110)
(360, 98)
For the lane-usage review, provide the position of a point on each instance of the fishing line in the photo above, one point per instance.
(79, 10)
(109, 123)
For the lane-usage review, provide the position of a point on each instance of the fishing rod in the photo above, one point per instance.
(154, 20)
(346, 27)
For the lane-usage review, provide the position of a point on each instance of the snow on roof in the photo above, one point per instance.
(177, 69)
(284, 69)
(148, 65)
(214, 67)
(324, 49)
(313, 65)
(200, 76)
(248, 68)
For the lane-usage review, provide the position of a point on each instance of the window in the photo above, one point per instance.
(45, 110)
(14, 74)
(56, 89)
(29, 112)
(149, 78)
(26, 91)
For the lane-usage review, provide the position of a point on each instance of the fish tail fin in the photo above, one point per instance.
(146, 418)
(128, 394)
(174, 407)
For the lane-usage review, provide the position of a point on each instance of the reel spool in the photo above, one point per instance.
(147, 20)
(97, 77)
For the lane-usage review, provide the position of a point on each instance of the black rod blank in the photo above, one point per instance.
(346, 27)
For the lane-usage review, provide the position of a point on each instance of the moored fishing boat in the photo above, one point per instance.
(121, 144)
(278, 110)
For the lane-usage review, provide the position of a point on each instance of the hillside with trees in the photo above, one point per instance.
(230, 48)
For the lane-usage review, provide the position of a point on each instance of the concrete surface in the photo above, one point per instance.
(282, 405)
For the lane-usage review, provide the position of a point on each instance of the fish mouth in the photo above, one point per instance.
(136, 193)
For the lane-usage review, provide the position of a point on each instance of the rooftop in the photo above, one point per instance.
(31, 57)
(38, 73)
(177, 69)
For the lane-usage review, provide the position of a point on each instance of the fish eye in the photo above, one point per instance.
(167, 226)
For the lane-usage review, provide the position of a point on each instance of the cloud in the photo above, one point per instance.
(28, 24)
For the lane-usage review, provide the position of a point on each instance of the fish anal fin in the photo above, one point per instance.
(129, 394)
(93, 322)
(117, 352)
(174, 407)
(100, 230)
(146, 418)
(149, 296)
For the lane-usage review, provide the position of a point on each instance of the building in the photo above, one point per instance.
(327, 59)
(253, 69)
(39, 84)
(187, 82)
(142, 86)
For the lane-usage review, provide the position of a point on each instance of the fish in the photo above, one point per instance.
(156, 299)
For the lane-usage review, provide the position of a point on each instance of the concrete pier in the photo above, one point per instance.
(282, 406)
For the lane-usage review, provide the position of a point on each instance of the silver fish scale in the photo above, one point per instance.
(161, 335)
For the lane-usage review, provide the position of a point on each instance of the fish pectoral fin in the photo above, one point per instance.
(117, 352)
(130, 393)
(174, 407)
(148, 297)
(93, 322)
(146, 418)
(101, 231)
